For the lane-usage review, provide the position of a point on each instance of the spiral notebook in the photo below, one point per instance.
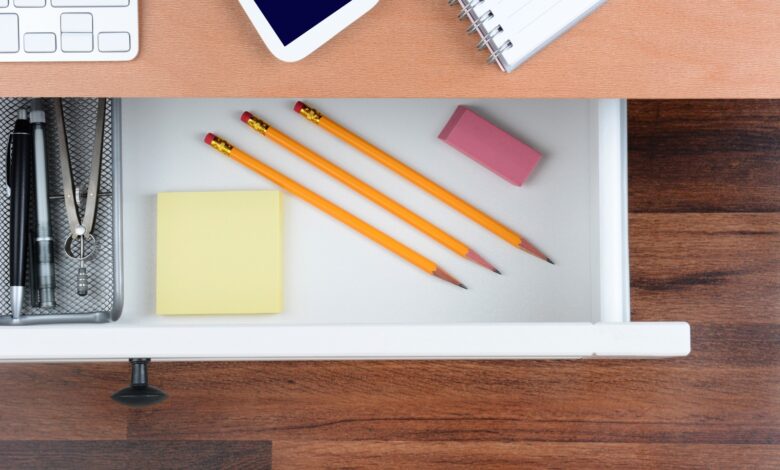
(514, 30)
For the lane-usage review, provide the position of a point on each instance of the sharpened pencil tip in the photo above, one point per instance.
(550, 261)
(497, 271)
(461, 285)
(442, 274)
(473, 256)
(533, 251)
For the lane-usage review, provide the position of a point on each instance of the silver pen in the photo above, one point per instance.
(43, 240)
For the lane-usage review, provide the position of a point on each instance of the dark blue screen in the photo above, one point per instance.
(290, 19)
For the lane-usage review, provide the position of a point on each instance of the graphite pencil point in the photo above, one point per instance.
(473, 256)
(526, 246)
(442, 274)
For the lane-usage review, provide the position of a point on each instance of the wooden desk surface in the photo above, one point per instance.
(411, 48)
(705, 248)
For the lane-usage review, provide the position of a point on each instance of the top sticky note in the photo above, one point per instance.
(219, 253)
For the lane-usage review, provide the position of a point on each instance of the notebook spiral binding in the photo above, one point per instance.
(467, 9)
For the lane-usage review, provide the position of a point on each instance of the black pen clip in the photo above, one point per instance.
(8, 166)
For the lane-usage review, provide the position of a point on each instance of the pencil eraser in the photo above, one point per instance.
(246, 116)
(299, 106)
(490, 146)
(209, 138)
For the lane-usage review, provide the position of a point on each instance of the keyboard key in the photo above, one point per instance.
(89, 3)
(3, 3)
(40, 42)
(29, 3)
(9, 33)
(77, 42)
(114, 42)
(76, 23)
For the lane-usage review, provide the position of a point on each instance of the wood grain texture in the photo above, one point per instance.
(135, 454)
(61, 402)
(460, 455)
(723, 267)
(708, 261)
(705, 156)
(674, 401)
(414, 48)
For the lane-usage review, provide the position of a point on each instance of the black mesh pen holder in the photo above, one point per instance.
(103, 302)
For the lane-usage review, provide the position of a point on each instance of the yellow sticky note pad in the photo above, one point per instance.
(219, 253)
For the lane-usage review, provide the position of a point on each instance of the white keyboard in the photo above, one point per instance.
(68, 30)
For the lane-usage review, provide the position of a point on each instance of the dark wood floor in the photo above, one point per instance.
(705, 248)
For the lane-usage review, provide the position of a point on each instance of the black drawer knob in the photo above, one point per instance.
(139, 394)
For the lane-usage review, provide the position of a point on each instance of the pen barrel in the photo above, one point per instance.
(41, 182)
(35, 298)
(46, 271)
(19, 183)
(44, 245)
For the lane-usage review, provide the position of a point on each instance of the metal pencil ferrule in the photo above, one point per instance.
(222, 145)
(257, 124)
(311, 114)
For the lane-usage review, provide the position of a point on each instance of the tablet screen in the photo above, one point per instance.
(291, 19)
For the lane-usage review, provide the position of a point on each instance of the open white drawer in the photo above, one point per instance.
(347, 298)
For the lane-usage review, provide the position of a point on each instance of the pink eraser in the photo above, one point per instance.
(299, 106)
(490, 146)
(209, 138)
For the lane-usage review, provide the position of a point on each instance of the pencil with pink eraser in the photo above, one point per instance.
(390, 162)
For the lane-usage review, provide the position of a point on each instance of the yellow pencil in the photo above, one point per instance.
(263, 128)
(418, 179)
(330, 208)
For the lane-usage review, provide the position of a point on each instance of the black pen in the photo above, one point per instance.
(18, 158)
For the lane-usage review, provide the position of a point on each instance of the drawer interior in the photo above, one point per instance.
(333, 275)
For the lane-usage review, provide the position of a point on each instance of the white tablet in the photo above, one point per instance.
(293, 29)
